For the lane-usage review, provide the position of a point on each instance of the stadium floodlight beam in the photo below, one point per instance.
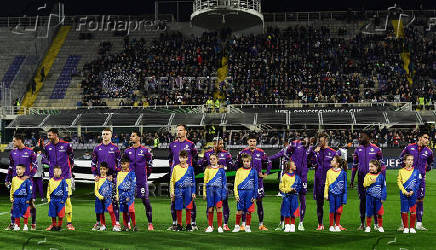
(235, 14)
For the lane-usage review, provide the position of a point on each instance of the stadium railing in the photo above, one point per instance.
(231, 108)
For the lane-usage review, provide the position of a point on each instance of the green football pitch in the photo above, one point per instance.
(84, 218)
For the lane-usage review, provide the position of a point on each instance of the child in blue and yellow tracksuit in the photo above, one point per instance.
(375, 185)
(20, 196)
(335, 191)
(57, 194)
(290, 186)
(103, 199)
(182, 190)
(245, 188)
(215, 191)
(126, 185)
(408, 181)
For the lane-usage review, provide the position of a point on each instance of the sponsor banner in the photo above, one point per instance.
(345, 109)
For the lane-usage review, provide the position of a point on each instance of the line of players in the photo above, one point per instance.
(303, 154)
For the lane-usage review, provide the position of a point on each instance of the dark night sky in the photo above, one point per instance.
(138, 7)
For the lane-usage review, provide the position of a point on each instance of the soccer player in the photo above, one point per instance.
(375, 185)
(126, 184)
(107, 152)
(22, 155)
(422, 160)
(182, 189)
(103, 200)
(225, 161)
(141, 162)
(259, 160)
(182, 143)
(57, 194)
(246, 192)
(323, 156)
(60, 153)
(20, 196)
(215, 191)
(335, 191)
(290, 185)
(409, 179)
(301, 152)
(361, 157)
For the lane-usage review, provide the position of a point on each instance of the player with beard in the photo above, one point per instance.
(361, 158)
(175, 147)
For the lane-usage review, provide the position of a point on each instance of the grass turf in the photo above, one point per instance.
(84, 218)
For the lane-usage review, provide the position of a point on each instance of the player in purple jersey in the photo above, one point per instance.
(21, 155)
(107, 152)
(225, 161)
(60, 153)
(259, 161)
(182, 143)
(141, 161)
(363, 154)
(323, 156)
(422, 160)
(301, 152)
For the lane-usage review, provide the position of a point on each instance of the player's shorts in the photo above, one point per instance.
(318, 189)
(69, 183)
(20, 208)
(303, 177)
(260, 189)
(360, 188)
(245, 204)
(374, 206)
(142, 190)
(183, 198)
(56, 209)
(214, 196)
(289, 207)
(408, 204)
(114, 187)
(335, 202)
(420, 194)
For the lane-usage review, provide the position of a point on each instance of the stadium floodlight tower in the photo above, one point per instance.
(235, 14)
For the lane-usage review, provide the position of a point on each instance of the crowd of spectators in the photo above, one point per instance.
(300, 63)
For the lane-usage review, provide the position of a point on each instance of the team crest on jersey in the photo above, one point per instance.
(186, 147)
(258, 155)
(360, 149)
(49, 148)
(372, 150)
(412, 149)
(99, 149)
(130, 153)
(62, 147)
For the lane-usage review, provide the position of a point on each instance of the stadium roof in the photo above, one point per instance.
(117, 118)
(139, 7)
